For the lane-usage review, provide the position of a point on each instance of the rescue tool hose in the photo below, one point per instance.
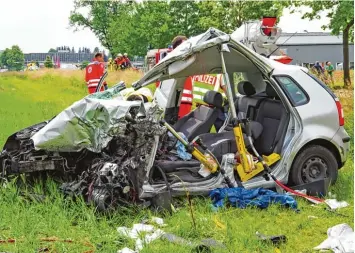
(268, 170)
(187, 145)
(98, 88)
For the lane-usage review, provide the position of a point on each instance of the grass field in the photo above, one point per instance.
(28, 98)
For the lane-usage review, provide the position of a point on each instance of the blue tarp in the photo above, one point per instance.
(241, 198)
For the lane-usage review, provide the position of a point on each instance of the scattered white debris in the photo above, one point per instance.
(312, 217)
(126, 250)
(158, 221)
(137, 231)
(340, 239)
(148, 239)
(335, 204)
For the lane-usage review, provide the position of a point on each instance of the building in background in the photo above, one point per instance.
(64, 55)
(307, 48)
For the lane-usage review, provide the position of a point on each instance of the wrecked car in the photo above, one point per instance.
(114, 152)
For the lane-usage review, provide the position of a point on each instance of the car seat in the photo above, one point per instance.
(201, 119)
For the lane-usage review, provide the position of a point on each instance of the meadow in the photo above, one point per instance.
(56, 224)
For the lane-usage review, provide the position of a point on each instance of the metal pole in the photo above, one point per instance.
(227, 82)
(176, 134)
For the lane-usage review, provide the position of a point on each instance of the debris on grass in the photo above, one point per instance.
(242, 198)
(143, 234)
(203, 246)
(340, 239)
(8, 241)
(274, 239)
(335, 204)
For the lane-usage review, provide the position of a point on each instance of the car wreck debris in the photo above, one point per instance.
(110, 170)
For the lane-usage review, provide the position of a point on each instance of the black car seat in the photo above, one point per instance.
(201, 119)
(246, 107)
(273, 116)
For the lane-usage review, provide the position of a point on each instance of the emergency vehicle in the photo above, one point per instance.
(259, 35)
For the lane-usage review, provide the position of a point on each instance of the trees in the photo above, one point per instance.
(48, 63)
(13, 58)
(83, 65)
(229, 15)
(132, 26)
(341, 14)
(98, 19)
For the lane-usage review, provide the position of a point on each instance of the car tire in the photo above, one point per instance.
(313, 163)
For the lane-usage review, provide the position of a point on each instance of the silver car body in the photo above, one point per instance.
(313, 122)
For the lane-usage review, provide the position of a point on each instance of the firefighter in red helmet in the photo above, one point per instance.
(94, 72)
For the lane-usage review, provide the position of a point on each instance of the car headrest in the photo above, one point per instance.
(270, 91)
(246, 88)
(213, 98)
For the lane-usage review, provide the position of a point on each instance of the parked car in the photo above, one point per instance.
(120, 151)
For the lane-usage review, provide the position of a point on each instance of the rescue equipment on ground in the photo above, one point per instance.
(197, 150)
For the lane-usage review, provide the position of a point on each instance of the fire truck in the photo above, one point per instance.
(259, 35)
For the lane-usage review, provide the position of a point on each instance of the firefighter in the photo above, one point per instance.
(203, 83)
(94, 72)
(120, 62)
(127, 62)
(195, 88)
(110, 63)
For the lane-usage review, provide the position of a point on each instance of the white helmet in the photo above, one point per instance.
(119, 55)
(125, 54)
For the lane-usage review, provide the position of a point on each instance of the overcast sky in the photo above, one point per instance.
(38, 25)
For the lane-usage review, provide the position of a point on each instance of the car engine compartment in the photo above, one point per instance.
(110, 178)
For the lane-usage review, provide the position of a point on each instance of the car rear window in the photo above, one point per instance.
(294, 92)
(322, 84)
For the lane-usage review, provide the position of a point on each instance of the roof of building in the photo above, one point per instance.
(309, 38)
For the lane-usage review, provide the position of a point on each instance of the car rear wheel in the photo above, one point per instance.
(312, 164)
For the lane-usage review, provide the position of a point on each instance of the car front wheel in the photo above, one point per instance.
(312, 164)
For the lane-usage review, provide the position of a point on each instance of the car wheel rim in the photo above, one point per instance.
(314, 169)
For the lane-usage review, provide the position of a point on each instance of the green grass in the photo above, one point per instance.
(28, 99)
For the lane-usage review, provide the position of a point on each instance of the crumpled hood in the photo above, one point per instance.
(89, 123)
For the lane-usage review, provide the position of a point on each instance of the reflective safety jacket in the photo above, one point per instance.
(93, 73)
(203, 83)
(186, 98)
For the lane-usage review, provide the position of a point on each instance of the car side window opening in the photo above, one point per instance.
(293, 91)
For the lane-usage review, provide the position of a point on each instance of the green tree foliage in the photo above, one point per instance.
(13, 58)
(52, 50)
(99, 18)
(131, 27)
(229, 15)
(84, 64)
(184, 18)
(48, 63)
(341, 14)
